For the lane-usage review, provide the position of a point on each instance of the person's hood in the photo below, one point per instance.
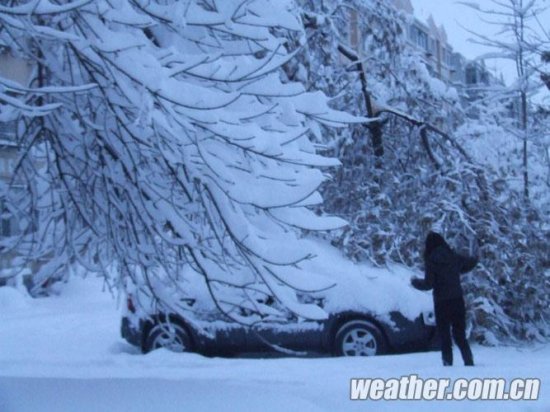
(434, 241)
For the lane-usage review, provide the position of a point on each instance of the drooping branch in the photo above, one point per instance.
(137, 127)
(376, 109)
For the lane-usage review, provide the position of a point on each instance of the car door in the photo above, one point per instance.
(303, 335)
(221, 337)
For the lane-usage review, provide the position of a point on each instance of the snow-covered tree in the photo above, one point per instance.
(158, 137)
(520, 40)
(397, 81)
(423, 178)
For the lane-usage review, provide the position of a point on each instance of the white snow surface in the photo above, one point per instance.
(12, 299)
(361, 287)
(64, 353)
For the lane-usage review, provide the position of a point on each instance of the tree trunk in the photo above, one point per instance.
(375, 127)
(524, 130)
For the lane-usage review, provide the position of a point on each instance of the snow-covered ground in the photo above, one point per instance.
(64, 353)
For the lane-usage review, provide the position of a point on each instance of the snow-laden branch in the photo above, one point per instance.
(28, 110)
(176, 150)
(43, 7)
(15, 87)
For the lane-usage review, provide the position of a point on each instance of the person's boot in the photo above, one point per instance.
(447, 357)
(467, 355)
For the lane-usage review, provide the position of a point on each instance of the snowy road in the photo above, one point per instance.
(65, 354)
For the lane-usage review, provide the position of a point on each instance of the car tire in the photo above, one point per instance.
(359, 338)
(169, 335)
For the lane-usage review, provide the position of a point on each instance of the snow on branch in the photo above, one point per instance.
(170, 149)
(43, 7)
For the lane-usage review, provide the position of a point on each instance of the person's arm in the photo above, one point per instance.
(424, 284)
(466, 263)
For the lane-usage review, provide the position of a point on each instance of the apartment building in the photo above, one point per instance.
(431, 42)
(16, 70)
(441, 60)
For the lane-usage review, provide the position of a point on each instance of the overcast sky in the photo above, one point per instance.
(453, 15)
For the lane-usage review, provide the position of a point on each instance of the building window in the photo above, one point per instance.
(447, 57)
(6, 221)
(471, 75)
(419, 38)
(423, 40)
(7, 131)
(433, 45)
(10, 219)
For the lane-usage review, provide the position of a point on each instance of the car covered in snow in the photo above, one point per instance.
(370, 311)
(349, 333)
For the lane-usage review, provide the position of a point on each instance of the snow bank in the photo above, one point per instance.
(12, 300)
(65, 354)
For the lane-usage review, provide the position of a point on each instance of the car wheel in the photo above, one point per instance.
(168, 335)
(359, 338)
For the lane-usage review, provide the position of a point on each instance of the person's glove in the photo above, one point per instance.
(417, 282)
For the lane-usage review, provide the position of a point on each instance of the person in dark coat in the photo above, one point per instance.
(443, 268)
